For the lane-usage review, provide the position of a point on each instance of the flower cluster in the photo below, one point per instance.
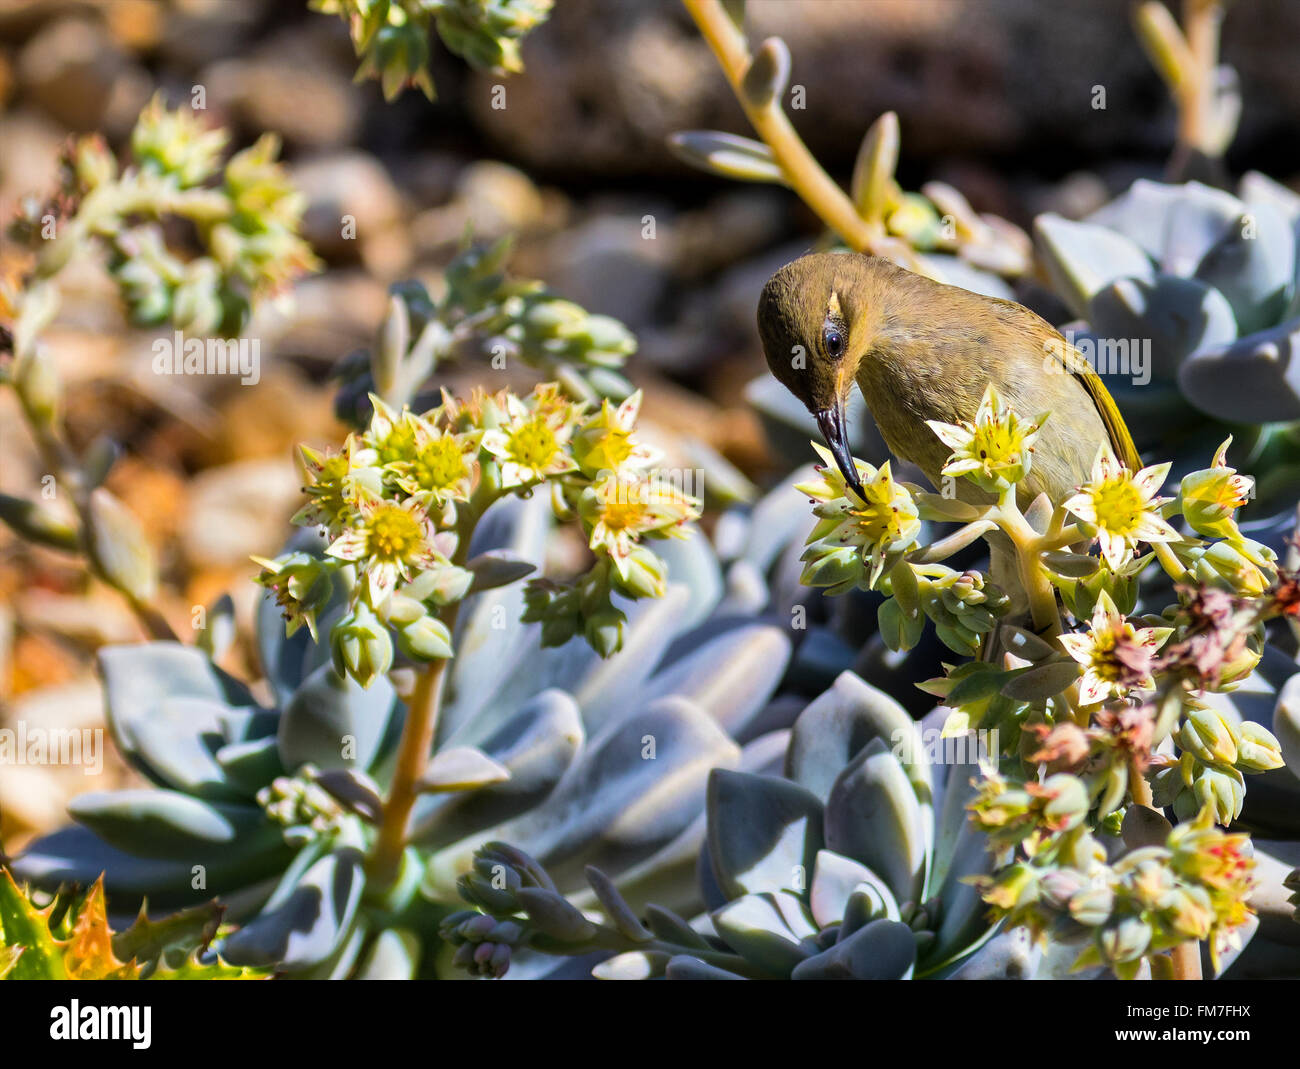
(866, 543)
(619, 501)
(1194, 887)
(300, 805)
(246, 218)
(1095, 708)
(399, 501)
(392, 36)
(1216, 750)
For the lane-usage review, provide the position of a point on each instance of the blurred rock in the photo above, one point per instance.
(608, 265)
(353, 209)
(1077, 195)
(729, 227)
(34, 797)
(332, 315)
(271, 418)
(239, 509)
(29, 163)
(6, 80)
(196, 32)
(490, 200)
(966, 77)
(76, 72)
(137, 24)
(287, 85)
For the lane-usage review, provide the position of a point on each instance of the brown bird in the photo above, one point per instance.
(920, 350)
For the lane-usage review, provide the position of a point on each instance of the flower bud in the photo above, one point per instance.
(361, 646)
(1191, 911)
(1257, 749)
(119, 548)
(1222, 790)
(93, 162)
(401, 609)
(425, 639)
(1067, 801)
(1223, 562)
(1124, 940)
(1014, 887)
(1209, 735)
(1210, 497)
(1092, 906)
(643, 574)
(1059, 886)
(37, 381)
(604, 632)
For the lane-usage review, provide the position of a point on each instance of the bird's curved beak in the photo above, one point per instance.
(831, 422)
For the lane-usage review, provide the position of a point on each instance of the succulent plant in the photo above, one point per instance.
(245, 214)
(70, 939)
(392, 36)
(853, 864)
(1188, 301)
(270, 808)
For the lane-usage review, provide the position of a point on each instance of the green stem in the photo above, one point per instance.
(1029, 545)
(63, 464)
(418, 732)
(1169, 561)
(420, 729)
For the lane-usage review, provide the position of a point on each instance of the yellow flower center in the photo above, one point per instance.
(393, 533)
(1103, 662)
(623, 515)
(399, 444)
(612, 450)
(440, 464)
(328, 488)
(879, 520)
(1119, 505)
(995, 445)
(533, 444)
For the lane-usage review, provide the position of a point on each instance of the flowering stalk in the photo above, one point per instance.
(247, 225)
(399, 503)
(801, 170)
(412, 758)
(1079, 712)
(392, 36)
(875, 215)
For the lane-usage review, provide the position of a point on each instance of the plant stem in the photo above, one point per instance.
(1138, 786)
(802, 171)
(1201, 20)
(1187, 961)
(1038, 588)
(421, 726)
(1169, 561)
(63, 464)
(412, 757)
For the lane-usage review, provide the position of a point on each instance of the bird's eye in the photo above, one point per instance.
(833, 341)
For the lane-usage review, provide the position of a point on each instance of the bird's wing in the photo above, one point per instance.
(1076, 364)
(1120, 439)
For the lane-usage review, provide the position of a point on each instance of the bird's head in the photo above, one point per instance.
(812, 318)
